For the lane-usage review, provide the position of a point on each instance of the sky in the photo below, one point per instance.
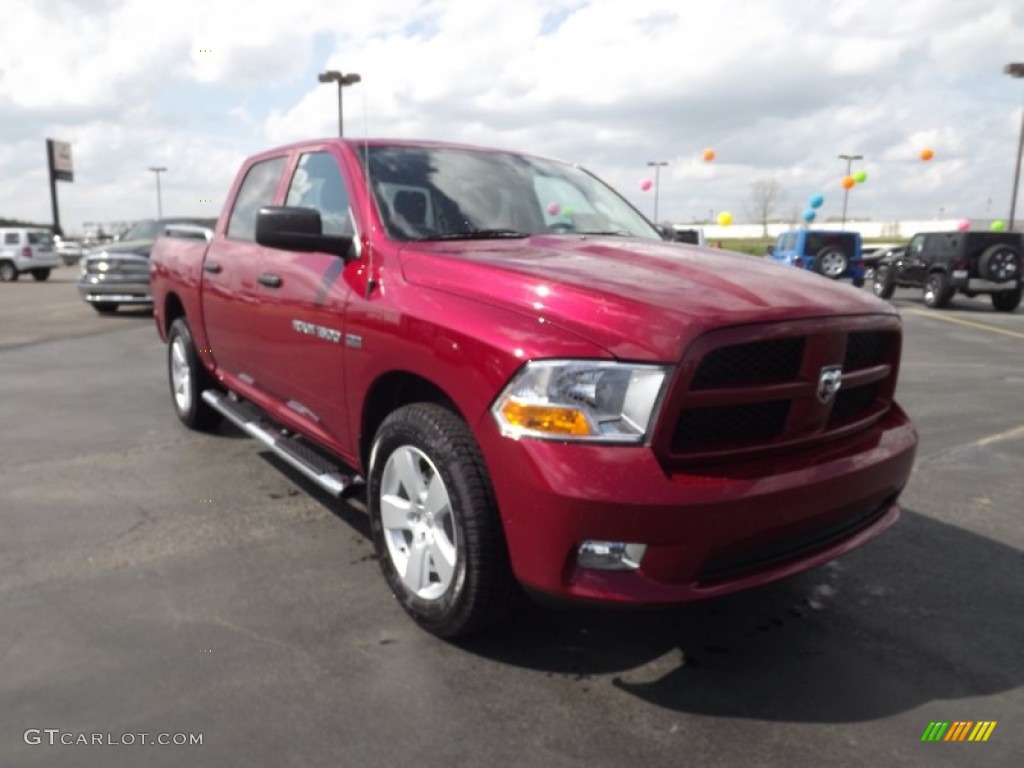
(778, 89)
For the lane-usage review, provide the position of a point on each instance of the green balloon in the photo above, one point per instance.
(860, 177)
(998, 225)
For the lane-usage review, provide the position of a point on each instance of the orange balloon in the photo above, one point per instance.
(848, 182)
(927, 154)
(709, 155)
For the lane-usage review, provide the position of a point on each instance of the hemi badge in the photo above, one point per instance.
(353, 340)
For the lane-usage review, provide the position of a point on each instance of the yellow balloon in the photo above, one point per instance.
(725, 218)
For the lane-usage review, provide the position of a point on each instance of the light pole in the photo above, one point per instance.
(157, 170)
(1016, 70)
(846, 192)
(334, 76)
(657, 179)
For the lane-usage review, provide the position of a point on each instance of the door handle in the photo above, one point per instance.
(271, 281)
(211, 266)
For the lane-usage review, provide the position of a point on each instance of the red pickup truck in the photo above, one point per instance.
(539, 391)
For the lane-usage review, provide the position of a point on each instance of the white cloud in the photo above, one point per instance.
(778, 89)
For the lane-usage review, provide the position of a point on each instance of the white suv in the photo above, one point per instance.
(26, 249)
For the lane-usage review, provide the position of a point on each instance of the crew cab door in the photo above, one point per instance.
(304, 297)
(230, 291)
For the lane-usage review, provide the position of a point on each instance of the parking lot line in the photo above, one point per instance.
(971, 323)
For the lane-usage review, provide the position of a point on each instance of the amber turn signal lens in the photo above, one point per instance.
(552, 420)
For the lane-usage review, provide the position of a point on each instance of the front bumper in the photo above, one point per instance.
(707, 533)
(114, 289)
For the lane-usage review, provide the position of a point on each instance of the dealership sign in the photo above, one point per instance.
(60, 160)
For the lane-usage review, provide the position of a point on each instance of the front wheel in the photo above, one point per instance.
(435, 523)
(1007, 301)
(41, 274)
(188, 378)
(883, 283)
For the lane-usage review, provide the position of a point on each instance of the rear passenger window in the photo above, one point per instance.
(11, 238)
(256, 191)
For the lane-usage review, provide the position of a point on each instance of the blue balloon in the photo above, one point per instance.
(809, 215)
(816, 201)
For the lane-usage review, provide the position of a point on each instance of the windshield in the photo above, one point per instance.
(449, 193)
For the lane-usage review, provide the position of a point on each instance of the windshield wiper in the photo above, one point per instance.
(476, 234)
(609, 232)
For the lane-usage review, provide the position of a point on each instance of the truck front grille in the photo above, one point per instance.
(758, 389)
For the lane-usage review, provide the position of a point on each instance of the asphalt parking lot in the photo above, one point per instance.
(158, 581)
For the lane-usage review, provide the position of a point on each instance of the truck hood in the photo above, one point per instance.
(124, 249)
(638, 299)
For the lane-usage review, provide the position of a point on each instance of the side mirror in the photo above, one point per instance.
(292, 228)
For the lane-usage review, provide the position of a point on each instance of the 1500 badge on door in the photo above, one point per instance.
(319, 331)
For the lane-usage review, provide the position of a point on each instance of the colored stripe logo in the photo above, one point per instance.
(959, 730)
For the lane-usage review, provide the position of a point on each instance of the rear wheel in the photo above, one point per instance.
(41, 274)
(105, 307)
(435, 522)
(937, 291)
(883, 283)
(1007, 301)
(831, 262)
(999, 263)
(188, 378)
(8, 272)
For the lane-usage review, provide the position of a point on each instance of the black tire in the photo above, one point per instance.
(40, 274)
(105, 307)
(419, 445)
(832, 262)
(1007, 301)
(937, 291)
(883, 284)
(999, 263)
(8, 272)
(188, 378)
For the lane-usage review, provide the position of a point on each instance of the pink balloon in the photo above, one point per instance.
(963, 225)
(553, 208)
(646, 184)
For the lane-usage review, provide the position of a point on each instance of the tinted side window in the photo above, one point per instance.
(256, 191)
(10, 238)
(318, 184)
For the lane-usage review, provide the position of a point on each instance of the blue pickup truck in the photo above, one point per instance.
(833, 253)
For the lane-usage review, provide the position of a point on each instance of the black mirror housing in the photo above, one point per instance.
(292, 228)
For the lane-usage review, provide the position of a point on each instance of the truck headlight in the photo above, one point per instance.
(581, 400)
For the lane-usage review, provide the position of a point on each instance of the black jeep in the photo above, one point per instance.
(943, 263)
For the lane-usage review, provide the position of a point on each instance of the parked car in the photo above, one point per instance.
(70, 251)
(872, 254)
(690, 235)
(537, 389)
(117, 273)
(26, 249)
(834, 254)
(944, 263)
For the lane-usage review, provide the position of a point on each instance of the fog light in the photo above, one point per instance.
(610, 555)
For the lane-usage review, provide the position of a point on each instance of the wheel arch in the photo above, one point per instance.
(173, 309)
(391, 391)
